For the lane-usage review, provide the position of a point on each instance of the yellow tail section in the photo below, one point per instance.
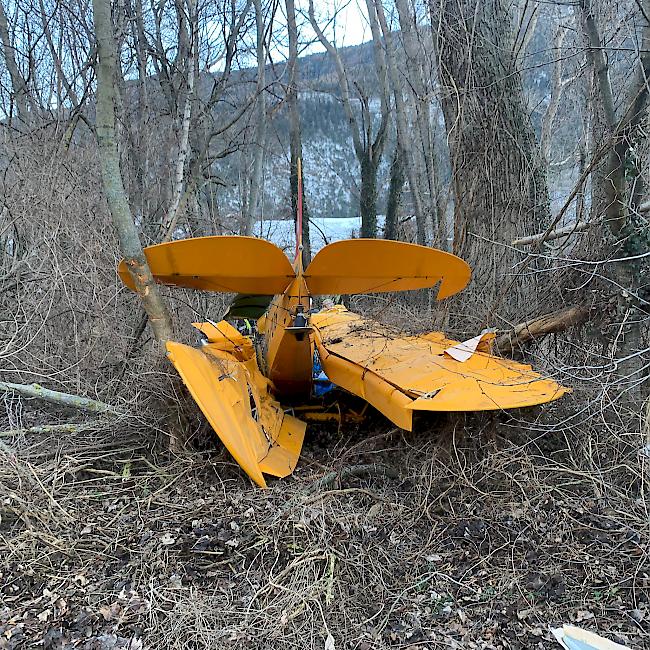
(379, 265)
(227, 264)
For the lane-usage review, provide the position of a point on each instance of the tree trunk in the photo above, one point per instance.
(178, 186)
(612, 197)
(403, 129)
(106, 70)
(18, 83)
(260, 127)
(368, 199)
(498, 177)
(368, 149)
(418, 94)
(295, 132)
(394, 194)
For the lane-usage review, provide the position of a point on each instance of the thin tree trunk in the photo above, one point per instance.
(368, 199)
(106, 70)
(557, 88)
(173, 213)
(295, 132)
(394, 194)
(260, 126)
(403, 130)
(368, 149)
(19, 85)
(419, 96)
(611, 195)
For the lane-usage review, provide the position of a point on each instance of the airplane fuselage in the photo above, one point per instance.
(288, 347)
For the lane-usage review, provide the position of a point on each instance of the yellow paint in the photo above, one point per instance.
(226, 383)
(380, 265)
(289, 357)
(227, 264)
(397, 374)
(370, 358)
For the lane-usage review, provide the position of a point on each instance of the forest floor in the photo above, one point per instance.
(451, 539)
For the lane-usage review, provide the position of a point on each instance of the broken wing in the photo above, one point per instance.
(400, 374)
(225, 382)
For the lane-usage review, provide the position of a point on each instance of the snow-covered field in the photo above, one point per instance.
(323, 230)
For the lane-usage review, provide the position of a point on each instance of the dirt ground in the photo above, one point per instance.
(468, 533)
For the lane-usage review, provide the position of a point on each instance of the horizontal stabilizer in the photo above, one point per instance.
(380, 265)
(227, 264)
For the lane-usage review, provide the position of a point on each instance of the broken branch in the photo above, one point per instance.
(61, 399)
(557, 321)
(51, 428)
(581, 226)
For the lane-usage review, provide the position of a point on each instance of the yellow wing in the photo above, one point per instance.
(228, 264)
(225, 382)
(400, 374)
(380, 265)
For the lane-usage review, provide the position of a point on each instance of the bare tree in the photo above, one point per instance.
(368, 146)
(406, 143)
(112, 176)
(255, 181)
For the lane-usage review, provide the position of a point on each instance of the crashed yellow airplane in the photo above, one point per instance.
(397, 374)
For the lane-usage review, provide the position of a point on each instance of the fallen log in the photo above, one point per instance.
(536, 328)
(61, 399)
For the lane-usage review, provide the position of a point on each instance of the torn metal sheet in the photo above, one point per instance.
(234, 396)
(413, 373)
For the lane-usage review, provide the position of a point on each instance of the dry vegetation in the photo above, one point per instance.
(471, 532)
(467, 534)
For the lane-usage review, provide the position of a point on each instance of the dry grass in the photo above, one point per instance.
(489, 532)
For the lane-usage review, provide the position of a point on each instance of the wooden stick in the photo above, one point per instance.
(51, 428)
(581, 226)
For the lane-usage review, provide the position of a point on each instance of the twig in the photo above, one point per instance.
(52, 428)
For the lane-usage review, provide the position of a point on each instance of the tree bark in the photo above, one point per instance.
(131, 248)
(499, 179)
(403, 130)
(395, 188)
(295, 133)
(184, 140)
(59, 398)
(18, 83)
(419, 96)
(612, 196)
(536, 328)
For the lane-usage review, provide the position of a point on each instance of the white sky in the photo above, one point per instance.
(350, 26)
